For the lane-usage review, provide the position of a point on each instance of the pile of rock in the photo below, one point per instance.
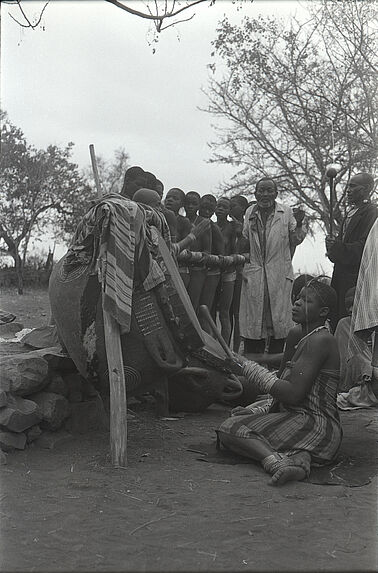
(42, 392)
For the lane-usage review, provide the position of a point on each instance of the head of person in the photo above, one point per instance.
(191, 203)
(223, 207)
(315, 304)
(359, 188)
(175, 199)
(349, 300)
(147, 197)
(207, 206)
(149, 180)
(134, 179)
(159, 188)
(238, 206)
(266, 193)
(298, 284)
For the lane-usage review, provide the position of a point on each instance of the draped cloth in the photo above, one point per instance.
(110, 237)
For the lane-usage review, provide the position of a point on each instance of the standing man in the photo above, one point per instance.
(272, 231)
(345, 250)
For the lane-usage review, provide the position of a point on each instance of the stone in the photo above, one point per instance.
(9, 330)
(3, 398)
(57, 385)
(33, 433)
(10, 441)
(52, 440)
(56, 359)
(87, 416)
(23, 374)
(74, 385)
(54, 409)
(42, 337)
(3, 458)
(19, 414)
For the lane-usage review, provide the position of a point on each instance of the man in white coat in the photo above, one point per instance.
(272, 231)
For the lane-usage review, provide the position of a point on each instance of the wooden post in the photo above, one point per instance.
(117, 382)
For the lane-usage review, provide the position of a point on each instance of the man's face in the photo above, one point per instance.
(356, 190)
(222, 208)
(265, 194)
(207, 207)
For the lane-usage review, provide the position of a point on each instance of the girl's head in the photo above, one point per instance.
(298, 284)
(191, 203)
(147, 197)
(207, 206)
(223, 207)
(175, 199)
(349, 299)
(316, 302)
(239, 205)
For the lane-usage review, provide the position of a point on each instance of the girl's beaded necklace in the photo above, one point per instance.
(310, 333)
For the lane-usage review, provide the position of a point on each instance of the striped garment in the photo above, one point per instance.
(365, 307)
(105, 241)
(312, 426)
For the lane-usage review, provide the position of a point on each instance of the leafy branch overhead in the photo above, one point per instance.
(296, 96)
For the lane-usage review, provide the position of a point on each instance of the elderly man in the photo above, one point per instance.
(345, 251)
(272, 231)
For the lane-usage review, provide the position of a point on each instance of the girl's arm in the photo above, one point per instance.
(318, 353)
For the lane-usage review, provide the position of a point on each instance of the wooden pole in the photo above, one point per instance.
(117, 383)
(95, 170)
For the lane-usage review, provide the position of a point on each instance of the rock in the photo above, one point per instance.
(33, 433)
(10, 441)
(23, 374)
(51, 440)
(42, 337)
(3, 458)
(3, 398)
(74, 385)
(57, 385)
(87, 416)
(56, 359)
(19, 414)
(9, 330)
(54, 409)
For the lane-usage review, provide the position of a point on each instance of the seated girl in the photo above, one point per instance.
(299, 425)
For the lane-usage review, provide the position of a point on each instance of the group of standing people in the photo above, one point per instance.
(295, 423)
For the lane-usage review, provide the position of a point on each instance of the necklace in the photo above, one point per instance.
(310, 333)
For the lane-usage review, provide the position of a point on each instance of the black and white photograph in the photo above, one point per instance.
(188, 286)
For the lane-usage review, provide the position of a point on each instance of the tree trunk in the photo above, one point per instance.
(19, 267)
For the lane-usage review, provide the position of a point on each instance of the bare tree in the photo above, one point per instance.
(161, 13)
(297, 97)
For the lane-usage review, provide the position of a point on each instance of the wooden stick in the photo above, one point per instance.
(117, 383)
(95, 170)
(207, 316)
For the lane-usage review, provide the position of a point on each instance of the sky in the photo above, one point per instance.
(90, 76)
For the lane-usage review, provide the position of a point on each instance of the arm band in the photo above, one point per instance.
(260, 376)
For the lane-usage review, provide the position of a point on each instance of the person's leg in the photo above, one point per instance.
(225, 300)
(292, 468)
(185, 276)
(196, 282)
(276, 345)
(235, 312)
(207, 297)
(254, 448)
(252, 346)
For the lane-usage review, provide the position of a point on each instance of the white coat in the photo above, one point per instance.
(282, 234)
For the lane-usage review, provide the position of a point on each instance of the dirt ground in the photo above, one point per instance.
(68, 509)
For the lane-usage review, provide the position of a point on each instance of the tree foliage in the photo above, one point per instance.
(39, 189)
(111, 172)
(297, 96)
